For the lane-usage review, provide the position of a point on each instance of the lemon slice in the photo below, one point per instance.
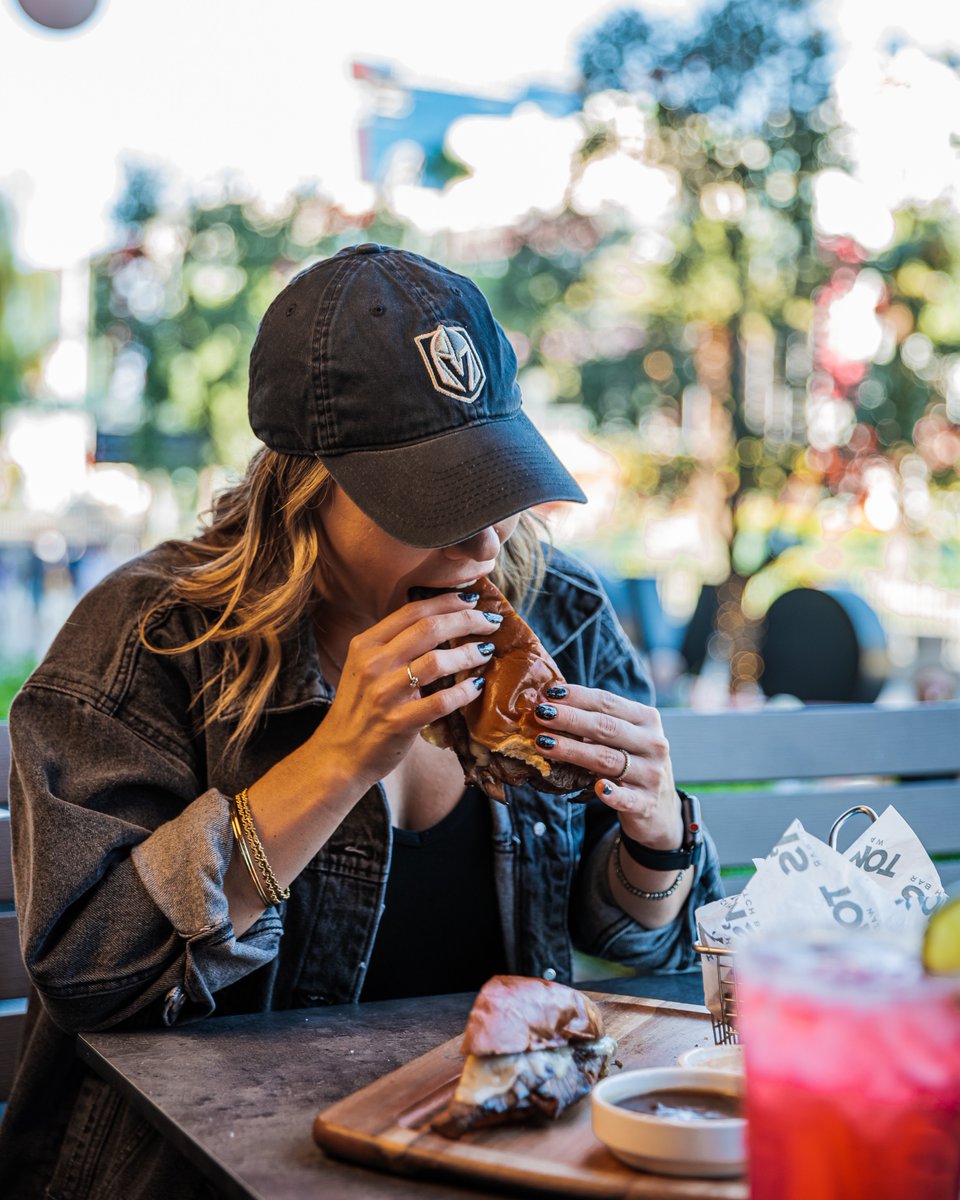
(941, 939)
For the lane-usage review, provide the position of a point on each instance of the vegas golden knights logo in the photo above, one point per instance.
(452, 362)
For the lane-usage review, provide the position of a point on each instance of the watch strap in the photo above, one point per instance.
(671, 860)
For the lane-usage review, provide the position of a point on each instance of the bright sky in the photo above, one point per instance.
(265, 91)
(262, 90)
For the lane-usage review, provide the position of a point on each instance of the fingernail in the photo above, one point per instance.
(607, 788)
(469, 597)
(494, 618)
(546, 712)
(478, 682)
(546, 742)
(556, 692)
(486, 648)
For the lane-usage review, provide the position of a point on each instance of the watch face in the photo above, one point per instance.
(690, 809)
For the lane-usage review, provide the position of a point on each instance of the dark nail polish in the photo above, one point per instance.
(607, 789)
(478, 682)
(469, 597)
(486, 648)
(556, 692)
(494, 618)
(546, 712)
(546, 742)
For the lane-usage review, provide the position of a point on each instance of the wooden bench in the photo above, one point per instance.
(14, 984)
(814, 763)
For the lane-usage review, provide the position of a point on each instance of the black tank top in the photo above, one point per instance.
(440, 930)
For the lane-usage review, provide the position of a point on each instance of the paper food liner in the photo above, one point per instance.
(884, 880)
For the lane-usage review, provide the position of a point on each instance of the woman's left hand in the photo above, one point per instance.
(606, 733)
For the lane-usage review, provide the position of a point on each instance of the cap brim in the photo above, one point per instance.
(441, 491)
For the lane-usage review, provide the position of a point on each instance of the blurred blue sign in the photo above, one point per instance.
(403, 116)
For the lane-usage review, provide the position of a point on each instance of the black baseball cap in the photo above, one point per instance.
(392, 370)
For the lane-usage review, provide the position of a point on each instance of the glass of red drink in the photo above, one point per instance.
(852, 1059)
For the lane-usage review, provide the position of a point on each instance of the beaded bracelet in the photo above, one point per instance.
(638, 892)
(273, 888)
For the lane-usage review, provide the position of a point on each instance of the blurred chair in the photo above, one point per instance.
(823, 645)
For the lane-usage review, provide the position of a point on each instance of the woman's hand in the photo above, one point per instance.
(374, 719)
(607, 733)
(595, 729)
(378, 712)
(370, 727)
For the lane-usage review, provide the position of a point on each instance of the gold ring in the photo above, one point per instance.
(414, 681)
(626, 766)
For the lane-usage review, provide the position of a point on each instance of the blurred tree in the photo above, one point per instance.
(11, 367)
(176, 309)
(28, 321)
(704, 320)
(141, 199)
(738, 61)
(736, 111)
(910, 399)
(737, 100)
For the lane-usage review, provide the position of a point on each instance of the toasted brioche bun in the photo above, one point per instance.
(516, 1013)
(494, 735)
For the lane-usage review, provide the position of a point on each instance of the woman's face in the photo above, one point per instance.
(374, 572)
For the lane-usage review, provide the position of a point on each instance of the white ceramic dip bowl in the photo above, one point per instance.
(713, 1147)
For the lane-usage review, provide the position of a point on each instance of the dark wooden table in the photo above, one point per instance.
(237, 1095)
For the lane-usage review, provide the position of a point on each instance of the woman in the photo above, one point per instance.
(222, 746)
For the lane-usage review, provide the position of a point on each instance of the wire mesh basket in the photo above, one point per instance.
(724, 1020)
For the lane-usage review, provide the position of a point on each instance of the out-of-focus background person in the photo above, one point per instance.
(722, 235)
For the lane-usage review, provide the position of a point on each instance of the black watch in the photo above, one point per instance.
(671, 860)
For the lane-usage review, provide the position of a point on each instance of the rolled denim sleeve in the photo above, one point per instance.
(603, 929)
(118, 866)
(190, 895)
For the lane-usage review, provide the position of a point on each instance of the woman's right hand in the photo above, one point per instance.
(373, 721)
(377, 713)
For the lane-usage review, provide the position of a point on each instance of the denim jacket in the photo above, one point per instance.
(121, 831)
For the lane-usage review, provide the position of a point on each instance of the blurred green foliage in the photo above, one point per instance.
(176, 308)
(12, 677)
(738, 60)
(27, 321)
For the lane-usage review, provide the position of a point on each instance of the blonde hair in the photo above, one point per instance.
(254, 570)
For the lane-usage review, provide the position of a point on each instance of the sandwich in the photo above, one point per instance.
(533, 1049)
(493, 736)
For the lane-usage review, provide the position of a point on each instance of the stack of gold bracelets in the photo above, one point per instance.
(265, 881)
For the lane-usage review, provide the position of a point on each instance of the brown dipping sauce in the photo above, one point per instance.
(684, 1104)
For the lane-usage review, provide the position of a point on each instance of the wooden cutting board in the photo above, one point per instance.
(387, 1124)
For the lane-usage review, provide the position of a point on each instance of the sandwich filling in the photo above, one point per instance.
(512, 1087)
